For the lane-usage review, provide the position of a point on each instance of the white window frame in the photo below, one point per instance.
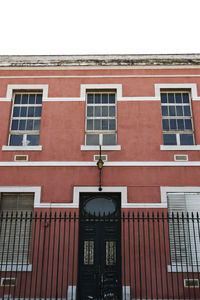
(37, 194)
(164, 190)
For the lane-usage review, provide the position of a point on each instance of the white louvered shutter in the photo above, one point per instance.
(16, 231)
(184, 233)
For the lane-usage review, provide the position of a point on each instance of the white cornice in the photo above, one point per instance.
(106, 164)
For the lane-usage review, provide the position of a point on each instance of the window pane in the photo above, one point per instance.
(97, 124)
(97, 99)
(172, 110)
(92, 139)
(169, 139)
(31, 111)
(104, 98)
(165, 124)
(39, 99)
(104, 111)
(163, 98)
(17, 99)
(104, 124)
(16, 140)
(180, 124)
(171, 98)
(186, 139)
(109, 139)
(97, 111)
(112, 111)
(29, 125)
(23, 111)
(38, 111)
(32, 139)
(90, 125)
(164, 110)
(25, 99)
(22, 125)
(90, 98)
(179, 110)
(187, 111)
(188, 124)
(178, 98)
(111, 124)
(32, 99)
(111, 98)
(15, 124)
(185, 98)
(36, 124)
(90, 111)
(16, 111)
(173, 125)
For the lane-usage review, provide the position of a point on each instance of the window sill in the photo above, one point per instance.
(180, 148)
(179, 268)
(22, 148)
(103, 148)
(14, 268)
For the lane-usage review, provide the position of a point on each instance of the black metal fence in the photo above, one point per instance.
(40, 255)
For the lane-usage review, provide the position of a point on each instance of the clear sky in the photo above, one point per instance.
(49, 27)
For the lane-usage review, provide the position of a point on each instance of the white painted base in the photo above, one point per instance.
(71, 292)
(126, 292)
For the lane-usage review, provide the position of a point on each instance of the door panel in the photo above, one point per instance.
(99, 247)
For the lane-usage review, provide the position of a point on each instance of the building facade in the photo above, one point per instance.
(141, 116)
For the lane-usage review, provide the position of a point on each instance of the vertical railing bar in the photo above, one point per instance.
(43, 252)
(48, 246)
(185, 244)
(191, 258)
(198, 239)
(150, 265)
(181, 254)
(139, 250)
(68, 252)
(134, 258)
(52, 268)
(129, 249)
(16, 214)
(164, 238)
(38, 251)
(124, 249)
(175, 245)
(8, 247)
(23, 244)
(145, 267)
(28, 255)
(4, 237)
(57, 275)
(63, 256)
(170, 221)
(18, 250)
(155, 260)
(33, 253)
(74, 242)
(195, 246)
(161, 275)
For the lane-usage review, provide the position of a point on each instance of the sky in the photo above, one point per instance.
(67, 27)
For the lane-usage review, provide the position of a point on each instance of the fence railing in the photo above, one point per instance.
(159, 253)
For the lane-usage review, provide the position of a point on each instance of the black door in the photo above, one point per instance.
(99, 275)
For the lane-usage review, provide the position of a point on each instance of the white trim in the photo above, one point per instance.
(84, 87)
(61, 99)
(180, 148)
(191, 86)
(23, 189)
(14, 268)
(95, 189)
(104, 148)
(11, 87)
(108, 164)
(177, 189)
(182, 268)
(149, 98)
(8, 278)
(22, 148)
